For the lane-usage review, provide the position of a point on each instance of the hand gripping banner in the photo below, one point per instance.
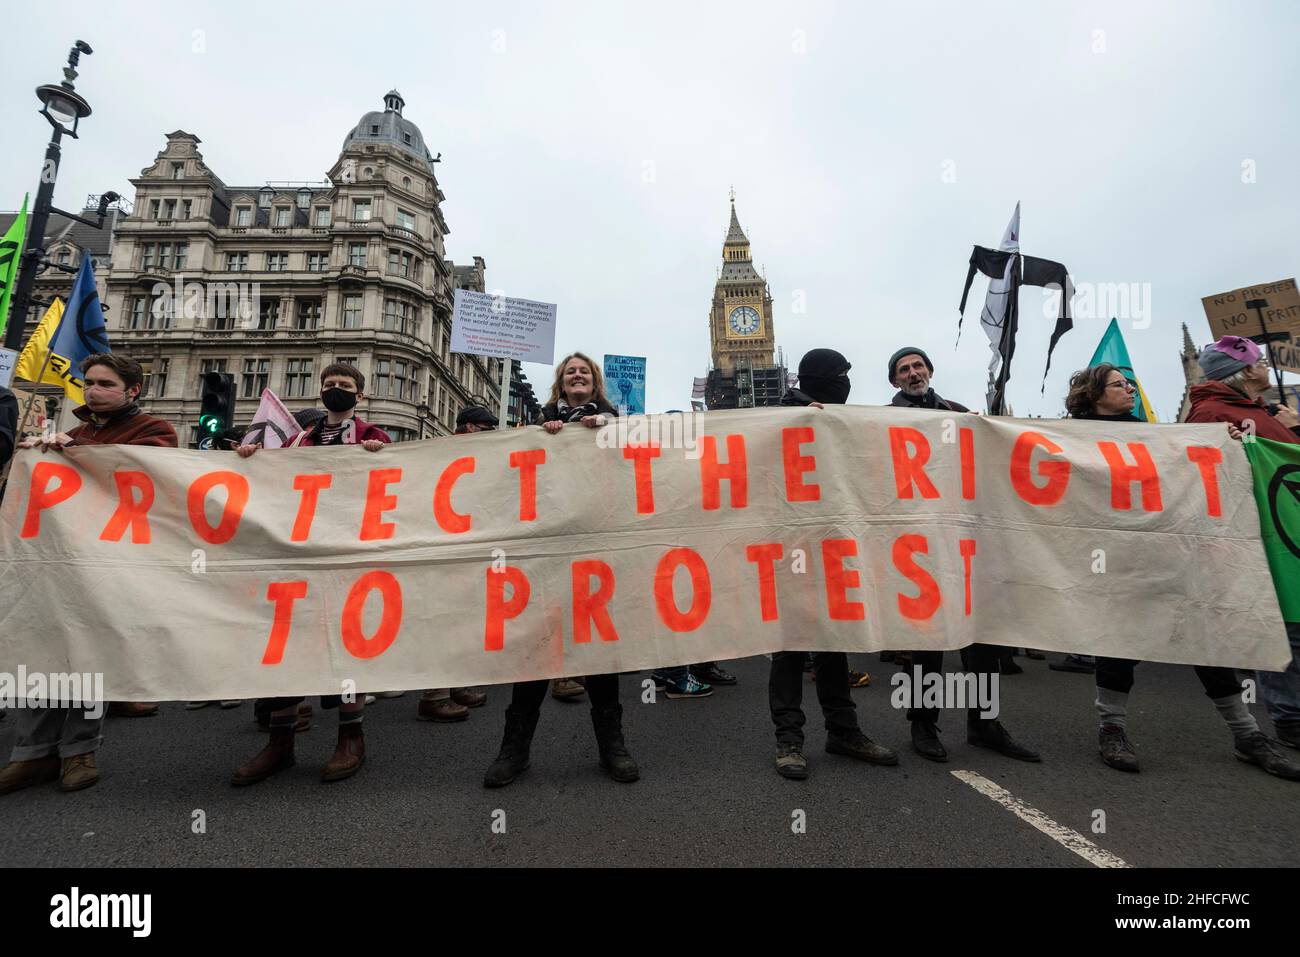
(502, 556)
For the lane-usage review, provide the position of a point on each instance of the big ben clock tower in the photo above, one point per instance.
(740, 330)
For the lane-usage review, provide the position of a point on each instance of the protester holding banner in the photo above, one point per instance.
(342, 387)
(823, 379)
(910, 371)
(577, 395)
(453, 704)
(1237, 375)
(60, 742)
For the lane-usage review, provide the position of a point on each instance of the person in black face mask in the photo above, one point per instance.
(823, 380)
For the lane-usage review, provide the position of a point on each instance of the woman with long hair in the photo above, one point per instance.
(577, 396)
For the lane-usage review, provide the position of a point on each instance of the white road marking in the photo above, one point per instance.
(1063, 835)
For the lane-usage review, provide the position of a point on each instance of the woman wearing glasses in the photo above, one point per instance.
(1105, 393)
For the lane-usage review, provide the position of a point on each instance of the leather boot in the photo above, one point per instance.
(276, 756)
(17, 775)
(441, 709)
(469, 697)
(349, 753)
(990, 734)
(512, 760)
(925, 740)
(614, 756)
(79, 772)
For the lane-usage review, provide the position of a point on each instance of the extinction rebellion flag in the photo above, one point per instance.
(1276, 469)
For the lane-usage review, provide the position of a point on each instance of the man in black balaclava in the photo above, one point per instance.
(910, 370)
(823, 380)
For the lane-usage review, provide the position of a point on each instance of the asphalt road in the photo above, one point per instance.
(708, 794)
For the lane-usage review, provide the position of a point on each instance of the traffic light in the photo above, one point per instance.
(217, 406)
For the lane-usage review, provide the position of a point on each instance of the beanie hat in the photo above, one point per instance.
(1227, 357)
(823, 362)
(907, 351)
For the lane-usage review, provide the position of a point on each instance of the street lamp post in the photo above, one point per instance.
(61, 104)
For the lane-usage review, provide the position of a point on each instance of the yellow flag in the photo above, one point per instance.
(33, 357)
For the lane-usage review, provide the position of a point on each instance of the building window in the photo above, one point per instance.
(268, 314)
(146, 256)
(182, 255)
(406, 220)
(398, 316)
(169, 209)
(212, 365)
(351, 312)
(155, 378)
(304, 198)
(406, 138)
(308, 314)
(164, 255)
(399, 263)
(264, 197)
(374, 129)
(178, 170)
(153, 208)
(282, 216)
(236, 262)
(393, 379)
(187, 208)
(138, 306)
(223, 312)
(317, 262)
(256, 374)
(277, 262)
(322, 216)
(297, 378)
(357, 255)
(361, 210)
(419, 269)
(406, 182)
(243, 215)
(194, 436)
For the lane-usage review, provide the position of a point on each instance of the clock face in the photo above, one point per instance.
(744, 320)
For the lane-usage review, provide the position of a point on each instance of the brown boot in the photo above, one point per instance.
(79, 772)
(133, 709)
(303, 721)
(349, 754)
(469, 697)
(17, 775)
(442, 709)
(276, 756)
(566, 689)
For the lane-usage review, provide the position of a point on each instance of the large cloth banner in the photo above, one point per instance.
(511, 555)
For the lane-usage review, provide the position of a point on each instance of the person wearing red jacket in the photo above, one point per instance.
(341, 387)
(1238, 376)
(60, 742)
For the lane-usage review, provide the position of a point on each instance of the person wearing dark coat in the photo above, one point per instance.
(823, 380)
(910, 370)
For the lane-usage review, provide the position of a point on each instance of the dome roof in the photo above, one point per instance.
(390, 127)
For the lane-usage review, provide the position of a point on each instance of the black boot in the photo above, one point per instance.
(925, 740)
(614, 757)
(512, 761)
(990, 734)
(1115, 748)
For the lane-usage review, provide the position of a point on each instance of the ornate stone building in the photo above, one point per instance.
(271, 283)
(741, 333)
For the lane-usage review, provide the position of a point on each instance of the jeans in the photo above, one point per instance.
(981, 659)
(1116, 674)
(1281, 689)
(785, 694)
(62, 731)
(526, 697)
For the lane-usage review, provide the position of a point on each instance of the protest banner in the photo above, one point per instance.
(1228, 315)
(492, 325)
(625, 383)
(518, 555)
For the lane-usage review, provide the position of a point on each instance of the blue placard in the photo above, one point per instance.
(625, 383)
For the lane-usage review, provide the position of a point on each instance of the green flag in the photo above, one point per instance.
(1112, 349)
(11, 254)
(1276, 469)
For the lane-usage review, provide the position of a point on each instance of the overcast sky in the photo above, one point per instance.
(588, 150)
